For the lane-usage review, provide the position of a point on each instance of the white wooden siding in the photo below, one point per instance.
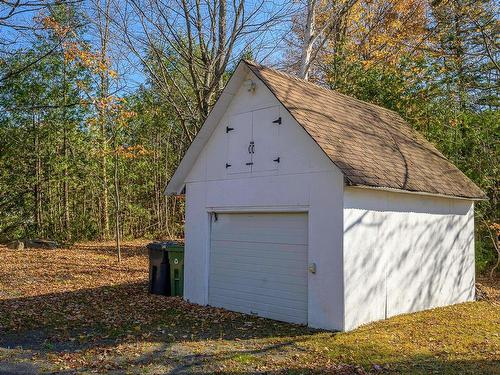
(405, 253)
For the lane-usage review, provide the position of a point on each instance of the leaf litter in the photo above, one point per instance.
(77, 310)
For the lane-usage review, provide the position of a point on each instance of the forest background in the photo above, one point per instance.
(99, 99)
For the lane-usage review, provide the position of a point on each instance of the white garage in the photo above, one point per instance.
(311, 207)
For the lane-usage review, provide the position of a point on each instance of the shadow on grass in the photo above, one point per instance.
(109, 316)
(281, 358)
(112, 315)
(436, 367)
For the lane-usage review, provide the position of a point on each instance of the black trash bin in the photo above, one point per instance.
(159, 270)
(166, 271)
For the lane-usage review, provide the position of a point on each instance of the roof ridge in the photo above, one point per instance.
(303, 81)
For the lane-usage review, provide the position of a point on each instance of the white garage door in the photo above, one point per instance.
(258, 265)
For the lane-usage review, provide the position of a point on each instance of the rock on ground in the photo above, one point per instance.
(15, 245)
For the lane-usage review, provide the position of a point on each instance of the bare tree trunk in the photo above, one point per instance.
(103, 24)
(167, 216)
(309, 38)
(317, 34)
(66, 156)
(51, 207)
(66, 186)
(458, 52)
(38, 168)
(166, 176)
(117, 204)
(495, 239)
(157, 178)
(84, 201)
(104, 179)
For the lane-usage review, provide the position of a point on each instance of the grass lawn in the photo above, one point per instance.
(77, 310)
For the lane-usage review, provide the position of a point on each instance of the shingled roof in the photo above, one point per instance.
(371, 145)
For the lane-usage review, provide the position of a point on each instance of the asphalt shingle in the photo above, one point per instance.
(371, 145)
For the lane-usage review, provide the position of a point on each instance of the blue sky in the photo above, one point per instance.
(268, 43)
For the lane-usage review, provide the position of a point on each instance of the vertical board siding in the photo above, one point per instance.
(405, 253)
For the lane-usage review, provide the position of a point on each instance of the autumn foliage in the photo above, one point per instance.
(100, 103)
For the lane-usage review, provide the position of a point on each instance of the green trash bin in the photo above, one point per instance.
(176, 261)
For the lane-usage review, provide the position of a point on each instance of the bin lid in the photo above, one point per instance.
(166, 245)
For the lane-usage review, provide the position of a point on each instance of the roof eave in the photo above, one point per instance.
(395, 190)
